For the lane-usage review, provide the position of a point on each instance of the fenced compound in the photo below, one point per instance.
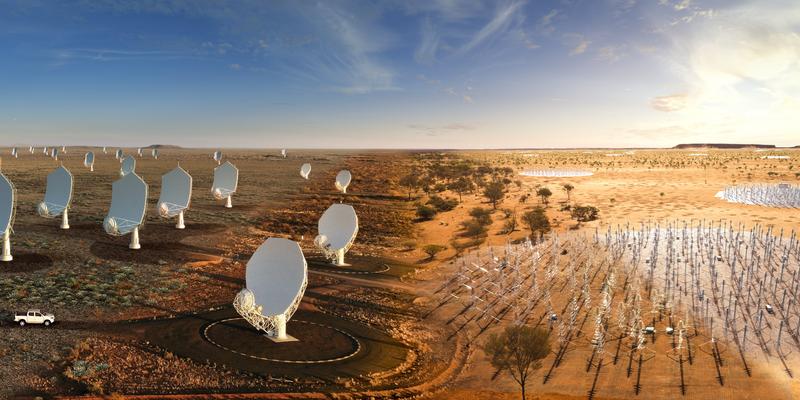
(781, 195)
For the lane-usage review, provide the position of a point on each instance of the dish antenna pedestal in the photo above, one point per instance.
(278, 333)
(229, 202)
(65, 219)
(135, 240)
(7, 246)
(339, 262)
(180, 224)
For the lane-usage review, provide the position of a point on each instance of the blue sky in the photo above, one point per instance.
(408, 74)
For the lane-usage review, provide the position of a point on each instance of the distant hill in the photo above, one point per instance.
(163, 146)
(723, 146)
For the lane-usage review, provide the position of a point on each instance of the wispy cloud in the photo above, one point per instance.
(351, 66)
(670, 103)
(579, 43)
(498, 24)
(611, 53)
(439, 130)
(64, 56)
(545, 24)
(429, 45)
(527, 40)
(464, 95)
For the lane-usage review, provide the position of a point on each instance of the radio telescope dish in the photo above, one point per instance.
(305, 170)
(343, 179)
(54, 153)
(176, 194)
(226, 179)
(57, 196)
(154, 153)
(283, 153)
(31, 149)
(64, 149)
(44, 150)
(14, 153)
(275, 281)
(118, 155)
(139, 151)
(8, 197)
(338, 228)
(88, 161)
(128, 206)
(218, 157)
(105, 151)
(128, 166)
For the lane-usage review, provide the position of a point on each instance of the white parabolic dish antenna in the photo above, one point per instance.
(54, 153)
(176, 194)
(338, 228)
(226, 179)
(283, 153)
(128, 166)
(14, 152)
(128, 206)
(305, 170)
(343, 180)
(139, 151)
(7, 203)
(275, 281)
(118, 155)
(88, 161)
(57, 196)
(217, 156)
(155, 153)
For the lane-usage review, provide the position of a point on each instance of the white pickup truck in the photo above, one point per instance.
(34, 317)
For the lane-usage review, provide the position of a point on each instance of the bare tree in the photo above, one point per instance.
(409, 182)
(519, 350)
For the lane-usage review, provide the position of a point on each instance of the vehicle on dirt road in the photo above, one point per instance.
(34, 317)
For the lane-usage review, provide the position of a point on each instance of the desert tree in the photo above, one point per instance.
(462, 185)
(544, 193)
(538, 223)
(511, 222)
(433, 249)
(426, 184)
(410, 182)
(568, 188)
(518, 350)
(585, 213)
(494, 192)
(425, 213)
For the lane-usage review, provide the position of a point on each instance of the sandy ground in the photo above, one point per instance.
(649, 186)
